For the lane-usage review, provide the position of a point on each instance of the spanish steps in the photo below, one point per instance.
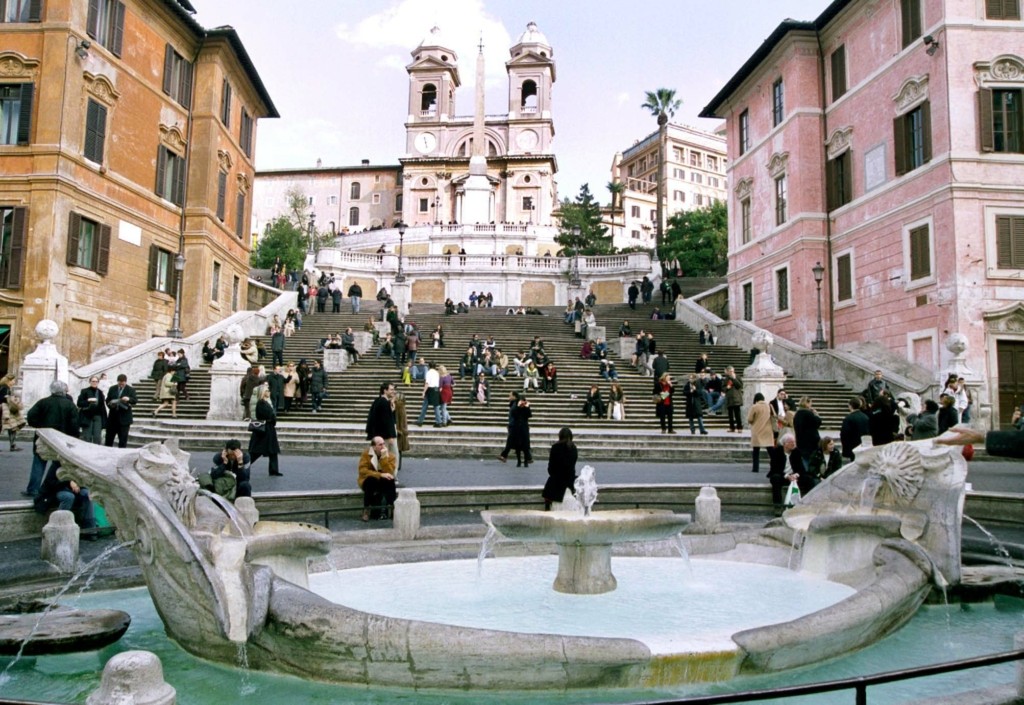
(478, 430)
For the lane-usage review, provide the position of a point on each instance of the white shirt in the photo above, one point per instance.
(432, 379)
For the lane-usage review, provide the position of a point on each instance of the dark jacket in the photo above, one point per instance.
(265, 442)
(561, 471)
(181, 370)
(820, 467)
(318, 381)
(519, 429)
(87, 411)
(355, 290)
(805, 427)
(277, 341)
(55, 411)
(1008, 444)
(380, 421)
(855, 425)
(120, 412)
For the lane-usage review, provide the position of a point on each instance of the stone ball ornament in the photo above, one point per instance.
(956, 343)
(46, 330)
(763, 340)
(234, 334)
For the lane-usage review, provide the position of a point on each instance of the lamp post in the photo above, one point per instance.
(311, 230)
(400, 277)
(819, 337)
(179, 266)
(437, 210)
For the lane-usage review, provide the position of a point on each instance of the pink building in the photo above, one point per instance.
(884, 140)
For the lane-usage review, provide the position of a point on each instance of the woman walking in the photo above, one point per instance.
(561, 468)
(167, 394)
(182, 373)
(10, 410)
(663, 402)
(693, 395)
(759, 418)
(520, 432)
(447, 392)
(263, 441)
(92, 411)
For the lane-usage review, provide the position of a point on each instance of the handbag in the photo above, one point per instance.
(792, 495)
(257, 426)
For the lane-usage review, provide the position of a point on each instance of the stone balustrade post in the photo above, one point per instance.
(364, 341)
(42, 366)
(335, 360)
(764, 375)
(626, 348)
(708, 510)
(595, 332)
(401, 294)
(60, 541)
(226, 375)
(407, 514)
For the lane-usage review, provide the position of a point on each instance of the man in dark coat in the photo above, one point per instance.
(355, 293)
(321, 299)
(786, 466)
(317, 385)
(275, 382)
(855, 425)
(381, 421)
(633, 293)
(561, 468)
(55, 411)
(277, 346)
(120, 399)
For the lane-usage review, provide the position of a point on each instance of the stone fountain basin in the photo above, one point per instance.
(597, 529)
(286, 547)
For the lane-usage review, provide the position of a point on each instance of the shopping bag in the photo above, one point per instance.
(792, 495)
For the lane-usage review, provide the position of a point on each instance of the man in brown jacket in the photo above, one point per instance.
(377, 476)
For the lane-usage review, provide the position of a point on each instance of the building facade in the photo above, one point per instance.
(695, 176)
(128, 134)
(884, 141)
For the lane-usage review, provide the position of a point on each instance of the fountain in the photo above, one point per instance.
(223, 586)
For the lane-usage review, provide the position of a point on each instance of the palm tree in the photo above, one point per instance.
(663, 104)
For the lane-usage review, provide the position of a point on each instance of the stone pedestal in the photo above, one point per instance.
(42, 366)
(60, 541)
(383, 328)
(401, 294)
(708, 514)
(133, 677)
(595, 332)
(764, 375)
(626, 348)
(335, 360)
(364, 341)
(226, 375)
(407, 514)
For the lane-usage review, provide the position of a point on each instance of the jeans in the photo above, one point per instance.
(80, 504)
(278, 357)
(719, 403)
(427, 401)
(92, 431)
(318, 398)
(700, 423)
(355, 304)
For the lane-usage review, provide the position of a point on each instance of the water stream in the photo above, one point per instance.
(487, 546)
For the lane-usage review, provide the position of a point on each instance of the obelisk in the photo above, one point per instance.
(476, 200)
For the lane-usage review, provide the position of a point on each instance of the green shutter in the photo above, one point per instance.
(186, 85)
(986, 131)
(35, 10)
(16, 259)
(103, 249)
(161, 169)
(74, 229)
(95, 131)
(92, 19)
(926, 131)
(222, 187)
(154, 261)
(831, 178)
(168, 69)
(900, 145)
(25, 115)
(240, 215)
(117, 29)
(179, 181)
(844, 279)
(920, 259)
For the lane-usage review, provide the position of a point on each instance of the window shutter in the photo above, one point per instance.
(926, 131)
(831, 198)
(179, 181)
(74, 228)
(900, 146)
(240, 215)
(186, 84)
(95, 131)
(222, 187)
(161, 168)
(1004, 242)
(168, 67)
(117, 29)
(175, 276)
(847, 178)
(225, 110)
(985, 120)
(35, 10)
(25, 116)
(1017, 241)
(920, 264)
(16, 262)
(103, 250)
(92, 20)
(843, 276)
(154, 260)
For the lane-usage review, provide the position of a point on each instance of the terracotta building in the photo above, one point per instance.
(695, 168)
(126, 137)
(884, 140)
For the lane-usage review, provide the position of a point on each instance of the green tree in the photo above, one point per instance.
(282, 239)
(699, 239)
(580, 230)
(663, 104)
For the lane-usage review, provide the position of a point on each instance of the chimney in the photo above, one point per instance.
(366, 162)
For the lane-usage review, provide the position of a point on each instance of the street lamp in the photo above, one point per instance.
(312, 233)
(179, 267)
(819, 337)
(400, 277)
(437, 210)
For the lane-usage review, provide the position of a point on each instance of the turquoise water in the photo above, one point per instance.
(935, 634)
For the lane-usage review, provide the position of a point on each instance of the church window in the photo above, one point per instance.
(398, 202)
(353, 216)
(428, 100)
(355, 191)
(528, 99)
(424, 205)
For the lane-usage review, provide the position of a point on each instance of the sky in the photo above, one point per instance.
(335, 69)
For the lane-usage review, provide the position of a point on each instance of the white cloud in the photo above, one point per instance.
(462, 23)
(622, 98)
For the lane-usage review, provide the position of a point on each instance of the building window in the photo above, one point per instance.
(424, 205)
(910, 14)
(16, 112)
(222, 194)
(781, 200)
(920, 253)
(428, 100)
(745, 234)
(1000, 118)
(240, 215)
(236, 285)
(839, 181)
(778, 107)
(375, 198)
(88, 244)
(95, 132)
(20, 10)
(332, 200)
(748, 302)
(654, 215)
(353, 216)
(161, 271)
(225, 103)
(1009, 241)
(696, 159)
(177, 77)
(782, 290)
(744, 131)
(844, 277)
(634, 211)
(376, 178)
(712, 163)
(245, 133)
(12, 246)
(678, 174)
(913, 137)
(170, 176)
(679, 196)
(635, 234)
(837, 64)
(310, 200)
(398, 203)
(1002, 9)
(105, 24)
(215, 283)
(355, 191)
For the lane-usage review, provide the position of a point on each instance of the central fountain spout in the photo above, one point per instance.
(585, 539)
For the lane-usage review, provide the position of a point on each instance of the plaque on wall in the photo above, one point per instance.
(874, 167)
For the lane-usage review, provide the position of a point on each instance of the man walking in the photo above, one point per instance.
(355, 293)
(431, 396)
(317, 385)
(277, 346)
(120, 400)
(55, 411)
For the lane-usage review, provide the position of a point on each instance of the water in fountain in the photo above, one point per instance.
(586, 489)
(247, 687)
(486, 547)
(680, 545)
(1002, 553)
(795, 547)
(89, 569)
(868, 492)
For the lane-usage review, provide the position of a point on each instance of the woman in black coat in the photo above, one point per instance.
(264, 441)
(519, 432)
(806, 423)
(561, 469)
(92, 411)
(182, 373)
(883, 421)
(693, 394)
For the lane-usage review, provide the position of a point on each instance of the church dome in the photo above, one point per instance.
(532, 35)
(435, 40)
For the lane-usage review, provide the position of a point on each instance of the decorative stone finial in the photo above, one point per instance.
(763, 340)
(46, 330)
(234, 334)
(956, 343)
(133, 677)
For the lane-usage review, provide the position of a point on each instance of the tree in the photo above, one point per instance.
(616, 189)
(699, 240)
(281, 239)
(580, 231)
(663, 104)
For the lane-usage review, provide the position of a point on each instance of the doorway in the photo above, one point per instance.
(1010, 355)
